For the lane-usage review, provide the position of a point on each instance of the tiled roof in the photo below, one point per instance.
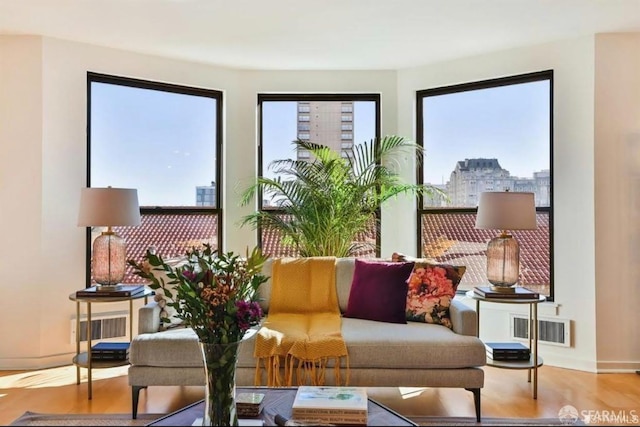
(448, 238)
(171, 235)
(453, 238)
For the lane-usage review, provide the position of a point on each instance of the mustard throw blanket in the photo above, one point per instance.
(301, 333)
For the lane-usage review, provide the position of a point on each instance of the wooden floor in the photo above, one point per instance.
(506, 394)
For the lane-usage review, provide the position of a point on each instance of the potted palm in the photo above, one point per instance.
(323, 204)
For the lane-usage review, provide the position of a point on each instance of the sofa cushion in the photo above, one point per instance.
(172, 348)
(414, 345)
(431, 288)
(379, 291)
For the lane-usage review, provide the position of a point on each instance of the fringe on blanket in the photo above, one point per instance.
(300, 372)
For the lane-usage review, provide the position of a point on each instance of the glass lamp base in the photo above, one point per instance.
(108, 260)
(503, 263)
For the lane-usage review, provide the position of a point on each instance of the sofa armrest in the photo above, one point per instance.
(149, 318)
(463, 318)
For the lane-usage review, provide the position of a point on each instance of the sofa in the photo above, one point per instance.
(381, 354)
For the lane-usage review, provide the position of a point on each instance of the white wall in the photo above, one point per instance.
(43, 166)
(45, 100)
(573, 163)
(617, 202)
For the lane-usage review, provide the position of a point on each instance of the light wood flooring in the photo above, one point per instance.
(506, 394)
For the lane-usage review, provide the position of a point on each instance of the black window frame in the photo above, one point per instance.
(545, 75)
(93, 77)
(317, 97)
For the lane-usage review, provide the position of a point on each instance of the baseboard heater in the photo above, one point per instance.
(552, 331)
(103, 326)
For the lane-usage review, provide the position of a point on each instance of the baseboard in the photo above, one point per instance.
(618, 366)
(31, 363)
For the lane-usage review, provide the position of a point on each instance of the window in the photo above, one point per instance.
(304, 135)
(165, 141)
(346, 136)
(346, 126)
(279, 123)
(487, 136)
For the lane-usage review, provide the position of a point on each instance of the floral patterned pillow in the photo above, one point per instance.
(431, 288)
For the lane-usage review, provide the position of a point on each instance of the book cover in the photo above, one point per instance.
(110, 347)
(518, 293)
(121, 291)
(513, 347)
(340, 405)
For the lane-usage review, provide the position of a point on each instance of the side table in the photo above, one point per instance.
(534, 361)
(83, 359)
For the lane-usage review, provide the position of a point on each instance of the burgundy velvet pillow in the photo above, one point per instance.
(379, 291)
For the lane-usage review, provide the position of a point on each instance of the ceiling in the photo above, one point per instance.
(320, 34)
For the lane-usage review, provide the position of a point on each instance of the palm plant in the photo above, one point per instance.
(323, 204)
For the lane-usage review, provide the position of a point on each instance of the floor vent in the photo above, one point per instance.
(550, 330)
(103, 326)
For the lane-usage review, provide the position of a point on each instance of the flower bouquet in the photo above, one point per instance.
(216, 296)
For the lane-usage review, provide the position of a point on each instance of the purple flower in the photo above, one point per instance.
(189, 275)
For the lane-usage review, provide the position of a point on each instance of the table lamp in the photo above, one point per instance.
(108, 207)
(505, 210)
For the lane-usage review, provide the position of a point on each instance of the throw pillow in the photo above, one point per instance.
(431, 287)
(168, 314)
(379, 291)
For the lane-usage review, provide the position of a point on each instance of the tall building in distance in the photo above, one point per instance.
(474, 176)
(328, 123)
(206, 195)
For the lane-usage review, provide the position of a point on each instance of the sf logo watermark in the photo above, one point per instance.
(569, 415)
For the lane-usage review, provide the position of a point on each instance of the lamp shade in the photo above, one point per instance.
(108, 207)
(506, 210)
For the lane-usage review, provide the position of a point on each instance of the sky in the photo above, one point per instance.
(164, 144)
(161, 143)
(509, 123)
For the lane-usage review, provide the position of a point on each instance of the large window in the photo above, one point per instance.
(320, 119)
(165, 141)
(493, 135)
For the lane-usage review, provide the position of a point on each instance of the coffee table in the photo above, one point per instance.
(278, 401)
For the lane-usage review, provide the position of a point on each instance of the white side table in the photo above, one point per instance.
(535, 360)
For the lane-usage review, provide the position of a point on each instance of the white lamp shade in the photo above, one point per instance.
(505, 210)
(108, 207)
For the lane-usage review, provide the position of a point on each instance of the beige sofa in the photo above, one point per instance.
(380, 354)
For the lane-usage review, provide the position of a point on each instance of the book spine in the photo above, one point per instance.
(333, 419)
(328, 412)
(103, 294)
(109, 356)
(109, 352)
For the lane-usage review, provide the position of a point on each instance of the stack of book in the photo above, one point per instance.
(111, 291)
(330, 405)
(110, 351)
(516, 292)
(508, 351)
(249, 405)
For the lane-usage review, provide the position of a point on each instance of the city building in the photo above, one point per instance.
(206, 195)
(328, 123)
(474, 176)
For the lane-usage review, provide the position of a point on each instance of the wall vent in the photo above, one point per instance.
(552, 331)
(104, 326)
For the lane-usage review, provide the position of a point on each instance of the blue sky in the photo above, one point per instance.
(163, 143)
(510, 123)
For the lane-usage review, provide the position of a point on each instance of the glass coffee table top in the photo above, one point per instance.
(278, 401)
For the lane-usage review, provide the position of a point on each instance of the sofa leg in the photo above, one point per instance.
(135, 394)
(476, 401)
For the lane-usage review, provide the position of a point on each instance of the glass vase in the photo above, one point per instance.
(220, 389)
